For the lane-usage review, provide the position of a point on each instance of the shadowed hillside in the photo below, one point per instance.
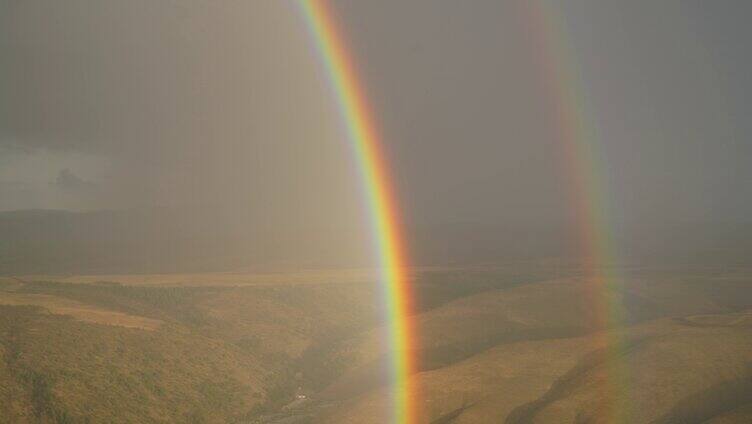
(533, 353)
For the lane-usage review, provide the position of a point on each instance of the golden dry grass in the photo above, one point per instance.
(493, 341)
(672, 368)
(79, 311)
(315, 276)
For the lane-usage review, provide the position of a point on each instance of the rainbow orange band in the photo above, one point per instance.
(577, 126)
(367, 146)
(579, 136)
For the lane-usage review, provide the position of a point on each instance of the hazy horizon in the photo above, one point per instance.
(392, 211)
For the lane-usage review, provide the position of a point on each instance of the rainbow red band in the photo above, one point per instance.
(367, 146)
(580, 148)
(577, 127)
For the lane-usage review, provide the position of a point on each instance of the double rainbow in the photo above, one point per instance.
(367, 147)
(579, 139)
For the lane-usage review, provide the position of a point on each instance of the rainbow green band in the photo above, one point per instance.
(577, 126)
(580, 147)
(367, 145)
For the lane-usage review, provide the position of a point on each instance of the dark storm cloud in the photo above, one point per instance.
(67, 180)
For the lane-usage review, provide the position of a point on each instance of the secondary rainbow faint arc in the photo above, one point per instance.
(577, 128)
(382, 205)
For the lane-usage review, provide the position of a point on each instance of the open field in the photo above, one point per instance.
(80, 311)
(325, 276)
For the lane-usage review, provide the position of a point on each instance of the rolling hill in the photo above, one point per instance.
(511, 343)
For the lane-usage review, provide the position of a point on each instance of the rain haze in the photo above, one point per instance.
(177, 137)
(224, 114)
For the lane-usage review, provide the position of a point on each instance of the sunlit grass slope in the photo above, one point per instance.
(532, 353)
(515, 343)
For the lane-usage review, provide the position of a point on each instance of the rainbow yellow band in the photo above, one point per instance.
(367, 145)
(577, 128)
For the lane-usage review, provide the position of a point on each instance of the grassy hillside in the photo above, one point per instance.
(533, 352)
(515, 343)
(57, 369)
(111, 352)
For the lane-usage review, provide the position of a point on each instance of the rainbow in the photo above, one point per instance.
(579, 136)
(577, 126)
(384, 215)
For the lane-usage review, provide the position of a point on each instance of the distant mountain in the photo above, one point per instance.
(190, 239)
(159, 240)
(40, 241)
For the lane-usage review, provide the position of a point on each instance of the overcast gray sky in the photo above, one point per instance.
(223, 106)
